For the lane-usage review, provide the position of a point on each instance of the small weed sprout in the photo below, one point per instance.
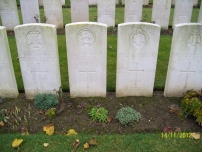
(128, 115)
(99, 114)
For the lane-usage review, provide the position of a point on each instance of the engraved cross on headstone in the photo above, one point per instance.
(87, 71)
(38, 76)
(106, 15)
(187, 72)
(136, 70)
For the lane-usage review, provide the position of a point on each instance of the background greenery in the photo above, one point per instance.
(163, 56)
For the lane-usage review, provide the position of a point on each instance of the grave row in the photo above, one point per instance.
(86, 44)
(106, 12)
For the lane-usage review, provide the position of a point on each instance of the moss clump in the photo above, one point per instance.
(128, 115)
(45, 101)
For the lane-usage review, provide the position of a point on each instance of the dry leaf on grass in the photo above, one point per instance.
(16, 143)
(49, 129)
(46, 144)
(71, 132)
(93, 142)
(195, 135)
(86, 146)
(76, 144)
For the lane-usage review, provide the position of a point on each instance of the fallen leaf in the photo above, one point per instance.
(109, 119)
(49, 129)
(40, 112)
(174, 109)
(24, 131)
(177, 130)
(195, 135)
(86, 146)
(16, 143)
(46, 144)
(71, 132)
(2, 123)
(167, 129)
(76, 144)
(110, 47)
(93, 142)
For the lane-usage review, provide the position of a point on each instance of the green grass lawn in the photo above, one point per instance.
(106, 143)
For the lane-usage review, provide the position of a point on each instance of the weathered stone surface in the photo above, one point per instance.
(79, 10)
(200, 15)
(145, 2)
(106, 12)
(183, 12)
(38, 54)
(9, 14)
(136, 58)
(185, 64)
(133, 10)
(30, 11)
(53, 12)
(8, 86)
(161, 13)
(86, 53)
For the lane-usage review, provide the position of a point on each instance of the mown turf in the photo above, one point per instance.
(107, 143)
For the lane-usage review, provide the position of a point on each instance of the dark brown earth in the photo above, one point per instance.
(154, 111)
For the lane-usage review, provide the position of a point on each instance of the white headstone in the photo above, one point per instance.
(200, 15)
(145, 2)
(161, 13)
(133, 11)
(87, 52)
(63, 2)
(136, 58)
(30, 11)
(195, 2)
(185, 64)
(8, 86)
(53, 11)
(40, 2)
(182, 12)
(79, 10)
(9, 14)
(92, 2)
(173, 2)
(38, 54)
(106, 12)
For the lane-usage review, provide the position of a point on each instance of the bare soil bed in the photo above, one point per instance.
(154, 110)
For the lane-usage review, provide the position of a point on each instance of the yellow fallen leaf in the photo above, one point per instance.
(16, 143)
(2, 123)
(86, 146)
(71, 132)
(49, 129)
(46, 144)
(93, 142)
(195, 135)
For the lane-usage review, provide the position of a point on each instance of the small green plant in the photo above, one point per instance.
(128, 115)
(3, 117)
(45, 101)
(99, 114)
(192, 105)
(51, 113)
